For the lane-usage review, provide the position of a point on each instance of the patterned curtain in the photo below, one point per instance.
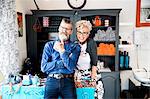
(9, 52)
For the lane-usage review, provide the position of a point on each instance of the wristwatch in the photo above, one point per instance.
(76, 4)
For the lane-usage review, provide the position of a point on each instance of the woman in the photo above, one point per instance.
(86, 72)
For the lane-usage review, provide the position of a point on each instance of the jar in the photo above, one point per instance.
(97, 21)
(106, 22)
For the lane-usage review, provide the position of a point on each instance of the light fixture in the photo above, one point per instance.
(36, 5)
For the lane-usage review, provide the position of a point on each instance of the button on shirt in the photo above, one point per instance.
(55, 63)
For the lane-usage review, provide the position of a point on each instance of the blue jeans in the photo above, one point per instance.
(64, 87)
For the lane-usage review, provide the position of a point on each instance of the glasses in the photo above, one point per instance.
(82, 33)
(67, 29)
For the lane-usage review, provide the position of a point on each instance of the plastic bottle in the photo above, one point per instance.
(121, 58)
(127, 61)
(106, 22)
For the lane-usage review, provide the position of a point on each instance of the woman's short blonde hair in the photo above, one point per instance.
(83, 23)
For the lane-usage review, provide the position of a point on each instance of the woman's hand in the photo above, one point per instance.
(92, 83)
(93, 76)
(78, 84)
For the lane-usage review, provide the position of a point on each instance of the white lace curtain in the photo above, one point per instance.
(9, 53)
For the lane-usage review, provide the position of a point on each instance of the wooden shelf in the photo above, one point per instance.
(103, 41)
(125, 68)
(126, 45)
(106, 55)
(42, 41)
(103, 26)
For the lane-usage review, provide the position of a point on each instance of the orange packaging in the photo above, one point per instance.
(97, 21)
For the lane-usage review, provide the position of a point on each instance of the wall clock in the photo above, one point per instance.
(76, 4)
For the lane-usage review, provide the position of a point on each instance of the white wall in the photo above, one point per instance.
(22, 40)
(127, 25)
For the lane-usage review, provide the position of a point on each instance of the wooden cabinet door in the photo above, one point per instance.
(111, 85)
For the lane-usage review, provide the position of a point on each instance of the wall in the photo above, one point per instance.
(9, 52)
(127, 26)
(22, 40)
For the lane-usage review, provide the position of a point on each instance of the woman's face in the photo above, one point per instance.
(83, 34)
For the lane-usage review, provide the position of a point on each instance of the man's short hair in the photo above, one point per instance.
(67, 20)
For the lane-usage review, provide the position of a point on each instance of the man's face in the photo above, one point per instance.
(65, 30)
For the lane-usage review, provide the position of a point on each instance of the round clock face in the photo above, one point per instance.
(76, 4)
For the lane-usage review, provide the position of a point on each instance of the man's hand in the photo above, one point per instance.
(59, 46)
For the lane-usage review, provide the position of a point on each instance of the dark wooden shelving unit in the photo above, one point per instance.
(36, 41)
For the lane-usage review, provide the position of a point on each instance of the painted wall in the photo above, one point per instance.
(22, 40)
(9, 52)
(126, 31)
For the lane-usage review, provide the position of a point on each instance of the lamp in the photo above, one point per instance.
(36, 5)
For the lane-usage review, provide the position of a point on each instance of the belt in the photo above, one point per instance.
(59, 76)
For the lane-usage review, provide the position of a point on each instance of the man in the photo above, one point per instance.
(59, 60)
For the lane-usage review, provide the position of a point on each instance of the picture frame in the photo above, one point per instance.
(20, 24)
(140, 15)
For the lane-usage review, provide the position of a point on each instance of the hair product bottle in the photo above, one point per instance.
(121, 58)
(126, 60)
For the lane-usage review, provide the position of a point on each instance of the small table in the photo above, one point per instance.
(37, 92)
(25, 92)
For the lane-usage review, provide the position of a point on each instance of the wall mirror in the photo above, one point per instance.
(143, 13)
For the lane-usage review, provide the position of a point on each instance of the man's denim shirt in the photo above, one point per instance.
(55, 63)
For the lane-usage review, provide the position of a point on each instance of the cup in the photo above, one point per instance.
(35, 80)
(101, 65)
